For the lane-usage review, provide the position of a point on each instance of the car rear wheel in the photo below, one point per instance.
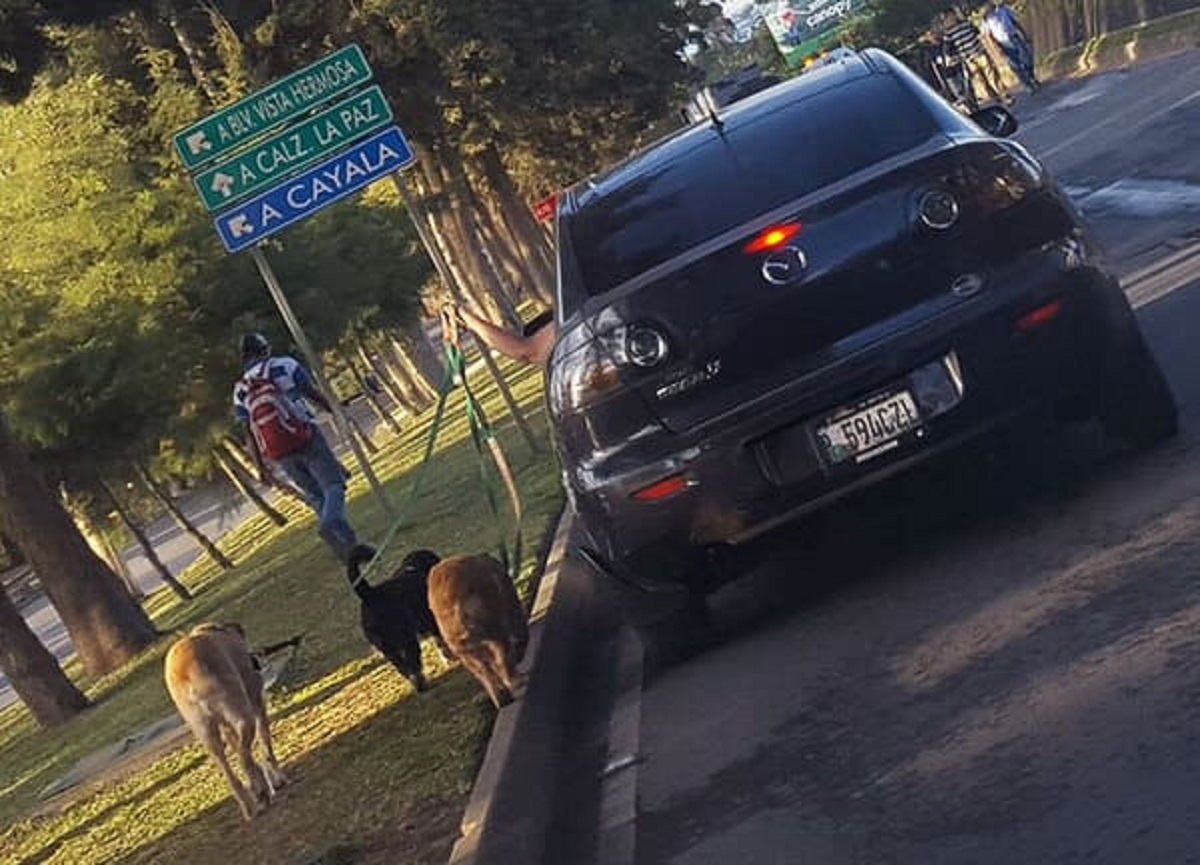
(671, 621)
(1139, 407)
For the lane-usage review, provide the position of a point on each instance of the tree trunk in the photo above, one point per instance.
(237, 453)
(106, 626)
(205, 543)
(380, 369)
(33, 672)
(98, 540)
(358, 432)
(372, 398)
(418, 393)
(144, 542)
(113, 557)
(419, 356)
(168, 11)
(242, 482)
(514, 212)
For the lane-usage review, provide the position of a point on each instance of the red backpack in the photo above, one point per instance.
(278, 425)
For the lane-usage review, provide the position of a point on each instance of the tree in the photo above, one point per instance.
(106, 626)
(33, 672)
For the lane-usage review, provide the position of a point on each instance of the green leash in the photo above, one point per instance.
(483, 437)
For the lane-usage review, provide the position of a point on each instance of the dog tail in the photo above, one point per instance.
(359, 556)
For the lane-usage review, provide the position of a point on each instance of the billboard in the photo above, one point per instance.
(801, 28)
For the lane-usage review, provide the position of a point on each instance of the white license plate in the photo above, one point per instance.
(861, 433)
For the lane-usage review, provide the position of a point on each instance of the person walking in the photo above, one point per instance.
(1005, 30)
(271, 400)
(964, 41)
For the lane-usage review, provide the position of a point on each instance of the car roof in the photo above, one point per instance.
(704, 134)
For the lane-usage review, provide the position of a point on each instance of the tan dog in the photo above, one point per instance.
(481, 619)
(214, 681)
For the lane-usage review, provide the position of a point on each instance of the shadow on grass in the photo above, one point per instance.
(390, 789)
(95, 820)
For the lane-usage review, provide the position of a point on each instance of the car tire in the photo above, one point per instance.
(1139, 407)
(673, 637)
(671, 621)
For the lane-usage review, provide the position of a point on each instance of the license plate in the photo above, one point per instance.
(862, 433)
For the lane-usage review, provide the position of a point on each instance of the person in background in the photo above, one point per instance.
(271, 401)
(954, 81)
(964, 40)
(1001, 24)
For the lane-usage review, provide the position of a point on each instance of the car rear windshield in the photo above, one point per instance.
(671, 205)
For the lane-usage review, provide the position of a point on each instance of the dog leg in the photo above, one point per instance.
(260, 788)
(444, 649)
(482, 671)
(208, 731)
(275, 776)
(503, 670)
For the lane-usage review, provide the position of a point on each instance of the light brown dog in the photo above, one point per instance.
(481, 619)
(214, 681)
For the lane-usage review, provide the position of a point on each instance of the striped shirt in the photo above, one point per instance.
(964, 36)
(288, 375)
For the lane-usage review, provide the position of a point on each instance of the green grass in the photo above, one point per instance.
(378, 776)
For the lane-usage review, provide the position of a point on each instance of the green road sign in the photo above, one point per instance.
(265, 163)
(274, 105)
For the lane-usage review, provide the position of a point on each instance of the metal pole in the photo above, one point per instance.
(314, 363)
(417, 215)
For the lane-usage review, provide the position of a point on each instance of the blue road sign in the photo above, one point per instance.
(304, 194)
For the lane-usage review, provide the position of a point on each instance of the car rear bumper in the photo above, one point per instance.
(759, 466)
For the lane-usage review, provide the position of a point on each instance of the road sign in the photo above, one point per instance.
(303, 195)
(296, 147)
(274, 105)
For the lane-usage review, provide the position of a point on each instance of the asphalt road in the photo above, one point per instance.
(994, 660)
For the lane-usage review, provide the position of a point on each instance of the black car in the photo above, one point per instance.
(833, 280)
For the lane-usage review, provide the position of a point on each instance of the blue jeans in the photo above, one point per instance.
(319, 476)
(1020, 58)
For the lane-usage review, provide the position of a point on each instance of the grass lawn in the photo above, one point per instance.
(378, 775)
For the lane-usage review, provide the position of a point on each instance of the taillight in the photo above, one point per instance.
(663, 489)
(1039, 317)
(772, 237)
(593, 370)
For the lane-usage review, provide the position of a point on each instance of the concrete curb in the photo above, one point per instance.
(616, 842)
(511, 805)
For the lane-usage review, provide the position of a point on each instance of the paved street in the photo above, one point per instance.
(995, 660)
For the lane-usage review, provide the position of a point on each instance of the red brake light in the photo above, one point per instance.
(772, 237)
(1040, 316)
(663, 489)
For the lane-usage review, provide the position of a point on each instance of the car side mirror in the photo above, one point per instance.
(995, 120)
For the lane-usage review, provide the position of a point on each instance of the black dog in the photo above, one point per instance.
(395, 613)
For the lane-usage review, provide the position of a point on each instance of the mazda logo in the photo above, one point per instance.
(784, 266)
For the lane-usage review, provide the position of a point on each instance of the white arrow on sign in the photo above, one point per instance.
(240, 225)
(198, 142)
(223, 184)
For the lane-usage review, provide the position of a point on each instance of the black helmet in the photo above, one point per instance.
(255, 345)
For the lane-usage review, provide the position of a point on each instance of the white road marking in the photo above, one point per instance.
(1139, 198)
(1121, 117)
